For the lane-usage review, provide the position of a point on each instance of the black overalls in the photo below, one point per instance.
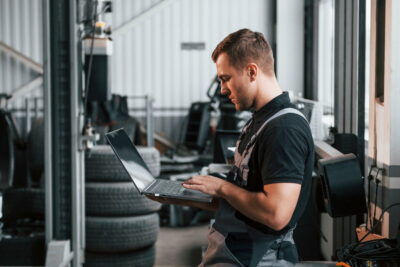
(265, 249)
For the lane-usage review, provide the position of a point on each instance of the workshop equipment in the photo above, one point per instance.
(343, 186)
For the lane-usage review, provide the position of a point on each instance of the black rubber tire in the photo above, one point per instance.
(117, 199)
(22, 203)
(21, 168)
(103, 166)
(7, 162)
(23, 250)
(151, 156)
(138, 258)
(36, 149)
(121, 234)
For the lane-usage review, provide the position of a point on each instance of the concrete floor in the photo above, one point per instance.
(180, 246)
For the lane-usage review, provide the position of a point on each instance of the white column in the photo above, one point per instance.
(290, 45)
(394, 92)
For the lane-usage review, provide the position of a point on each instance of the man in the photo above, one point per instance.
(260, 203)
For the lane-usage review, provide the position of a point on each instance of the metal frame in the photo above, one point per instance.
(47, 122)
(361, 82)
(29, 86)
(311, 50)
(77, 155)
(62, 114)
(21, 57)
(149, 118)
(346, 65)
(26, 88)
(149, 121)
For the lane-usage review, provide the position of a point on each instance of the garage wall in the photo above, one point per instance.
(148, 58)
(21, 29)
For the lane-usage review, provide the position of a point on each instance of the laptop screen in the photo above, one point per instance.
(130, 158)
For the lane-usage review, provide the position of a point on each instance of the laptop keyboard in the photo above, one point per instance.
(166, 187)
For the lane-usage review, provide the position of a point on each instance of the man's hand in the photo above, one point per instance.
(213, 206)
(274, 206)
(206, 184)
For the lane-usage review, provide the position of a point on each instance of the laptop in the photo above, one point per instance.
(143, 180)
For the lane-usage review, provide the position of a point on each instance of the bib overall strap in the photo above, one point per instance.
(242, 161)
(276, 115)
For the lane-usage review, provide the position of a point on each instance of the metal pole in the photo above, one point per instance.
(36, 104)
(26, 88)
(149, 121)
(24, 59)
(27, 116)
(76, 154)
(47, 123)
(361, 83)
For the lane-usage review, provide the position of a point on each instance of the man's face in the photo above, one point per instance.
(234, 83)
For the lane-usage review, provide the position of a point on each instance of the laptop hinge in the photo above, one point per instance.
(149, 186)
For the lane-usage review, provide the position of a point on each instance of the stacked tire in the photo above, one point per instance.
(22, 237)
(22, 203)
(22, 242)
(121, 224)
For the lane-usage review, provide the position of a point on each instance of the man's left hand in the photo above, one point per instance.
(206, 184)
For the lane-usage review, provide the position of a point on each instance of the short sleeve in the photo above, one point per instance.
(282, 155)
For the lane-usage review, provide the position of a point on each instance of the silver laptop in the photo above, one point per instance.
(144, 181)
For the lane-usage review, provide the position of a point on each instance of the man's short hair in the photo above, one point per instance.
(245, 46)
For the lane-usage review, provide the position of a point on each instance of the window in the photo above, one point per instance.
(326, 45)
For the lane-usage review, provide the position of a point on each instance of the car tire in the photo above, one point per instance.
(103, 166)
(117, 199)
(36, 149)
(22, 203)
(138, 258)
(23, 250)
(119, 234)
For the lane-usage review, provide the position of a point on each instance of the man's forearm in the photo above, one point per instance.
(251, 204)
(274, 206)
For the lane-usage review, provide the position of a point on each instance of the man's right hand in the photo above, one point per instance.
(213, 206)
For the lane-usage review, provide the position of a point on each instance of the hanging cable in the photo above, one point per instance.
(369, 197)
(376, 192)
(373, 251)
(379, 220)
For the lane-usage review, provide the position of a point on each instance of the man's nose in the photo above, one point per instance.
(224, 90)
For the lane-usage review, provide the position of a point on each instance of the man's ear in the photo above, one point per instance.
(252, 71)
